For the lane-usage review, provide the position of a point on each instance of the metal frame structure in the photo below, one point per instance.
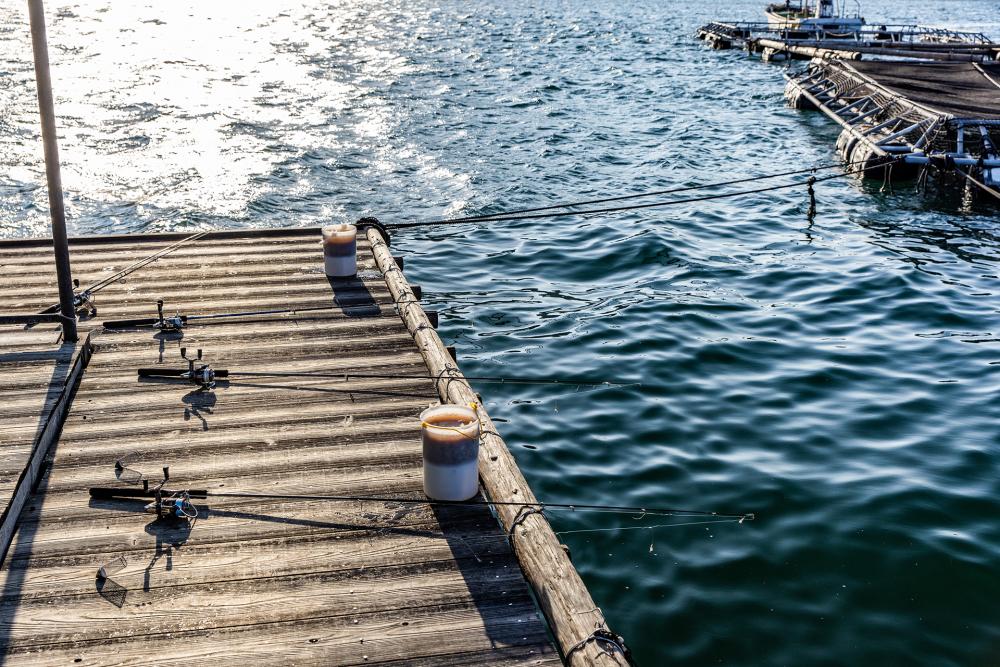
(878, 124)
(889, 35)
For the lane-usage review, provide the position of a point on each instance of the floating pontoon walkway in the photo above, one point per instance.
(899, 41)
(267, 581)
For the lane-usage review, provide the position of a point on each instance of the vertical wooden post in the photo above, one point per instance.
(46, 109)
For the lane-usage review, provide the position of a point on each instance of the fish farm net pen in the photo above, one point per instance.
(519, 214)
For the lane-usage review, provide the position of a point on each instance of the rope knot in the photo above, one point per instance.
(366, 222)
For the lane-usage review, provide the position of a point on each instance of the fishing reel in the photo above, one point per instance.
(175, 323)
(175, 506)
(197, 373)
(83, 301)
(168, 504)
(203, 375)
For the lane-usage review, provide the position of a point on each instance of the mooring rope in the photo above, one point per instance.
(975, 181)
(655, 193)
(551, 212)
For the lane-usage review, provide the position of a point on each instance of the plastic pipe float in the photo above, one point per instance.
(451, 452)
(340, 250)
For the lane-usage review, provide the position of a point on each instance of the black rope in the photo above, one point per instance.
(655, 193)
(374, 222)
(521, 516)
(503, 217)
(812, 198)
(614, 640)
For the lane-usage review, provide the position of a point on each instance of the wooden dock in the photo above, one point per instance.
(274, 581)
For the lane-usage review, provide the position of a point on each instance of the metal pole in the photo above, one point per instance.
(47, 111)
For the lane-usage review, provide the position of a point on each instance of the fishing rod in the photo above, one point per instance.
(205, 376)
(85, 299)
(176, 503)
(177, 321)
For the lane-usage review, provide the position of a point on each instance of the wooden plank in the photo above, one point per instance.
(412, 636)
(73, 574)
(270, 579)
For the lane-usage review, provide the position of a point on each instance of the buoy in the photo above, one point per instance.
(340, 250)
(450, 436)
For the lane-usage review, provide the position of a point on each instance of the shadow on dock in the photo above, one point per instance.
(63, 356)
(353, 298)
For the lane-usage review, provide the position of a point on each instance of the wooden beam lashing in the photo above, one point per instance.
(562, 596)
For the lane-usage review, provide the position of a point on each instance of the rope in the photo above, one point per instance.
(979, 183)
(382, 229)
(514, 215)
(614, 641)
(521, 517)
(655, 193)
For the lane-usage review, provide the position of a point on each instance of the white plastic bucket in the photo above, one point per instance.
(450, 435)
(340, 250)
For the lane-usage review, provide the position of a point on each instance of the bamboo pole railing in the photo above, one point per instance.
(562, 596)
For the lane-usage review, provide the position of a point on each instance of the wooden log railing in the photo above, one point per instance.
(562, 596)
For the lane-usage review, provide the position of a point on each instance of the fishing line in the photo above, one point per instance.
(119, 493)
(477, 378)
(659, 525)
(519, 214)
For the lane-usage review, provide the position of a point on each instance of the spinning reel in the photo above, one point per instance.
(175, 323)
(166, 505)
(201, 374)
(83, 301)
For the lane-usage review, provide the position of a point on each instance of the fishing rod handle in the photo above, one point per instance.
(162, 372)
(222, 373)
(125, 324)
(111, 493)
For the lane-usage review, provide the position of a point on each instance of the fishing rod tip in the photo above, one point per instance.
(748, 517)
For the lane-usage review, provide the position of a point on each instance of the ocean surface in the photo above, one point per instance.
(838, 377)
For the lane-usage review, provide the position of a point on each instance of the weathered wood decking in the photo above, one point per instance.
(277, 582)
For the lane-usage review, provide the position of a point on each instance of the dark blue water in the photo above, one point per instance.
(840, 378)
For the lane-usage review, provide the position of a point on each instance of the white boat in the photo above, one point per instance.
(819, 18)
